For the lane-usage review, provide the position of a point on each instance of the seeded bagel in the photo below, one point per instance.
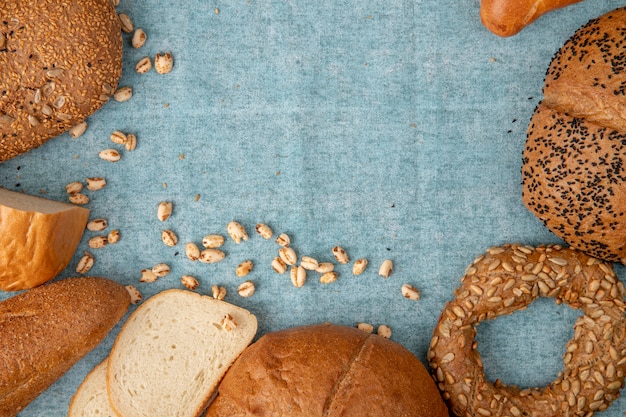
(509, 278)
(574, 160)
(60, 61)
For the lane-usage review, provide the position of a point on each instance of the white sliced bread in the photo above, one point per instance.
(91, 398)
(38, 238)
(173, 351)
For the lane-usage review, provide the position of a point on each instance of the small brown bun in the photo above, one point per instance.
(59, 62)
(327, 370)
(574, 160)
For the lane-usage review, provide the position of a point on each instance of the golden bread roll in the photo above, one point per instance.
(60, 60)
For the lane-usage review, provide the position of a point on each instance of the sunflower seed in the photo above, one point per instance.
(189, 282)
(211, 256)
(359, 266)
(244, 268)
(169, 237)
(340, 254)
(163, 63)
(96, 183)
(385, 268)
(139, 38)
(246, 289)
(110, 155)
(164, 210)
(236, 231)
(213, 241)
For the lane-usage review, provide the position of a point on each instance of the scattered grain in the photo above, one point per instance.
(212, 241)
(189, 282)
(110, 155)
(77, 130)
(114, 236)
(410, 292)
(236, 231)
(164, 210)
(96, 183)
(144, 65)
(246, 289)
(264, 230)
(244, 268)
(147, 276)
(288, 255)
(169, 237)
(139, 38)
(123, 94)
(97, 242)
(384, 331)
(74, 187)
(340, 254)
(218, 292)
(385, 268)
(163, 63)
(359, 266)
(283, 239)
(329, 277)
(211, 256)
(161, 269)
(126, 22)
(298, 276)
(135, 295)
(192, 251)
(85, 263)
(365, 327)
(278, 265)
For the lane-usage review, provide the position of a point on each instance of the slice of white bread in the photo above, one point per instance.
(173, 351)
(91, 398)
(38, 238)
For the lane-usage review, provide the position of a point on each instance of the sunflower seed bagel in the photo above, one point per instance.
(509, 278)
(60, 61)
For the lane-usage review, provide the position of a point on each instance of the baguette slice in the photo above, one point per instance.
(172, 352)
(38, 238)
(44, 331)
(91, 398)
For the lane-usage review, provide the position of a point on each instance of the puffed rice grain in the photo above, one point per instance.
(384, 331)
(212, 241)
(135, 295)
(131, 142)
(118, 137)
(114, 236)
(244, 268)
(144, 65)
(161, 269)
(309, 263)
(341, 255)
(325, 267)
(192, 251)
(189, 282)
(278, 265)
(228, 323)
(264, 230)
(169, 237)
(79, 198)
(386, 268)
(410, 292)
(96, 183)
(110, 155)
(288, 255)
(97, 242)
(329, 277)
(147, 275)
(211, 256)
(123, 94)
(74, 187)
(236, 231)
(246, 289)
(127, 23)
(283, 239)
(163, 63)
(85, 263)
(359, 266)
(139, 38)
(298, 276)
(164, 210)
(365, 327)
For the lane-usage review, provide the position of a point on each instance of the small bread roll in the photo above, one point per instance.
(574, 160)
(327, 370)
(59, 62)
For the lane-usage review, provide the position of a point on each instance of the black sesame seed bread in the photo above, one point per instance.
(60, 60)
(574, 160)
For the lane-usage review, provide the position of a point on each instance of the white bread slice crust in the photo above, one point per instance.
(38, 238)
(172, 352)
(91, 398)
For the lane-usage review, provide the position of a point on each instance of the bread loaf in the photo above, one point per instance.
(38, 238)
(172, 351)
(509, 17)
(91, 398)
(60, 61)
(326, 370)
(574, 159)
(44, 331)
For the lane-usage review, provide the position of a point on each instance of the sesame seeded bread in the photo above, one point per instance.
(172, 352)
(91, 398)
(38, 238)
(509, 17)
(60, 60)
(46, 330)
(573, 172)
(326, 370)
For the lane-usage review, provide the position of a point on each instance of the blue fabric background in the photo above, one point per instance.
(392, 128)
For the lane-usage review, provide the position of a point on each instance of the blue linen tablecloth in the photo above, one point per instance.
(391, 128)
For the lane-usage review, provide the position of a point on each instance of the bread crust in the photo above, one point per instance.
(326, 370)
(60, 60)
(509, 278)
(508, 17)
(574, 159)
(46, 330)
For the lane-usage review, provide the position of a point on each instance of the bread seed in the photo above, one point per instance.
(213, 241)
(55, 72)
(123, 94)
(96, 183)
(309, 263)
(161, 269)
(127, 23)
(97, 242)
(384, 331)
(264, 230)
(139, 38)
(164, 210)
(244, 268)
(237, 232)
(74, 187)
(169, 237)
(359, 266)
(97, 225)
(283, 239)
(329, 277)
(386, 268)
(33, 121)
(228, 323)
(246, 289)
(79, 198)
(211, 256)
(163, 63)
(78, 130)
(135, 295)
(341, 255)
(143, 65)
(110, 155)
(189, 282)
(118, 137)
(218, 292)
(324, 267)
(288, 255)
(85, 263)
(131, 142)
(278, 265)
(114, 236)
(365, 327)
(298, 276)
(410, 292)
(147, 276)
(192, 251)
